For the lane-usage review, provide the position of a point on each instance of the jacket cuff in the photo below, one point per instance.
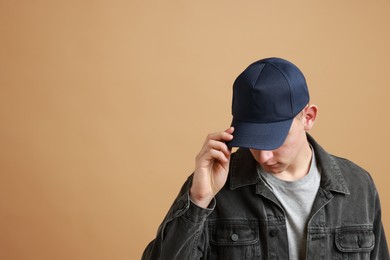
(189, 210)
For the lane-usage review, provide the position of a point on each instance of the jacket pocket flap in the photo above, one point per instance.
(355, 240)
(234, 233)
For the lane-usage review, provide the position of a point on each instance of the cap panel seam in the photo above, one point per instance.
(258, 76)
(288, 83)
(257, 79)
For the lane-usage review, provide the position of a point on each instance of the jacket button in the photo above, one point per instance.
(234, 237)
(273, 233)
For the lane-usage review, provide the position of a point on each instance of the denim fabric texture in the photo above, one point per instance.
(245, 221)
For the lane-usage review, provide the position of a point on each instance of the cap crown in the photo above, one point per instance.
(269, 90)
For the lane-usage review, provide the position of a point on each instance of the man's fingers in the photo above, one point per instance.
(223, 136)
(215, 146)
(214, 150)
(218, 146)
(230, 130)
(219, 156)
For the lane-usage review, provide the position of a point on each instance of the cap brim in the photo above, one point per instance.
(260, 136)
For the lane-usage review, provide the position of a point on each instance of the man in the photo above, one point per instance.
(280, 196)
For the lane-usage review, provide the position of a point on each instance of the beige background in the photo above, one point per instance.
(104, 105)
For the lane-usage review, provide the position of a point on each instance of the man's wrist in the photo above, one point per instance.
(202, 202)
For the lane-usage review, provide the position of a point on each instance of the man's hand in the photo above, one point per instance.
(211, 168)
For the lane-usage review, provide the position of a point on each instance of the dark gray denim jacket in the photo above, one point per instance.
(246, 221)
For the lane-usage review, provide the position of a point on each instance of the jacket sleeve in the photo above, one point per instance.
(380, 250)
(180, 235)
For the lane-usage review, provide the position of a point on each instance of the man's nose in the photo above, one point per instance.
(264, 156)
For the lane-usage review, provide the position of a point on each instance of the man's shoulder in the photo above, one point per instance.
(353, 172)
(348, 164)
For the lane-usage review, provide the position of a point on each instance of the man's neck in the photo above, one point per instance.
(300, 168)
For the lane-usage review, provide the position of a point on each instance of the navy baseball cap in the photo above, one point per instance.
(266, 97)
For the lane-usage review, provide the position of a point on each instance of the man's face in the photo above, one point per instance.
(287, 156)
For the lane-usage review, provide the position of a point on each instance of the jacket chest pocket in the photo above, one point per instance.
(234, 239)
(354, 242)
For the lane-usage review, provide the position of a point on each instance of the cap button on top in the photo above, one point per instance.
(234, 237)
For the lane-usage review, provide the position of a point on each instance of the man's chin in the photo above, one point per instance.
(275, 168)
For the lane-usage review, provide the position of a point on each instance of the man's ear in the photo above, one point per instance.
(310, 116)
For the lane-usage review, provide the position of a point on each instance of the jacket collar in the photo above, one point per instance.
(243, 170)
